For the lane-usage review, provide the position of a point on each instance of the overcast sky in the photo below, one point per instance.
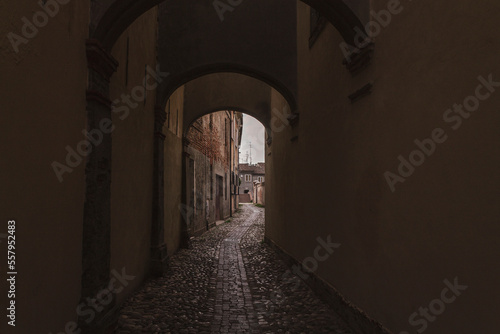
(254, 132)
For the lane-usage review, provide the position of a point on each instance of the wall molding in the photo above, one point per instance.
(362, 92)
(360, 59)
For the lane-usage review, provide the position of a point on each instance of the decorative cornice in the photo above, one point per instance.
(362, 92)
(100, 60)
(160, 135)
(96, 96)
(293, 119)
(360, 59)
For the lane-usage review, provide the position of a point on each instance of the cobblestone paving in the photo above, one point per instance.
(284, 303)
(234, 311)
(228, 282)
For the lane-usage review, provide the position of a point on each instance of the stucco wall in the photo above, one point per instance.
(132, 155)
(279, 171)
(42, 110)
(442, 222)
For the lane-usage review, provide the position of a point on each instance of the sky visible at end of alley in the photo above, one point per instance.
(253, 132)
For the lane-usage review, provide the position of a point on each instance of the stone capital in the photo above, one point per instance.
(100, 60)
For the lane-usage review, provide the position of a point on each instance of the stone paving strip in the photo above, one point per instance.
(234, 311)
(228, 282)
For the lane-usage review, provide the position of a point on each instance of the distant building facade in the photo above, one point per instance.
(250, 174)
(259, 193)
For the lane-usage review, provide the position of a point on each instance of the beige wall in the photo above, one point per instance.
(173, 169)
(132, 154)
(42, 110)
(279, 171)
(442, 222)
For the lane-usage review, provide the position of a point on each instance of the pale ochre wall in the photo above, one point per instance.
(173, 169)
(42, 110)
(278, 174)
(442, 223)
(132, 155)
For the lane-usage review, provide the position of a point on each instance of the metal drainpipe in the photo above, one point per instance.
(231, 165)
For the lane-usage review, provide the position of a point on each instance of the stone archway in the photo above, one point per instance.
(112, 17)
(109, 20)
(215, 92)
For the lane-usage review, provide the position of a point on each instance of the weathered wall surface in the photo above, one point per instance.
(132, 176)
(442, 222)
(209, 139)
(42, 111)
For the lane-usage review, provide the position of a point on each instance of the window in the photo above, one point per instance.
(248, 178)
(198, 125)
(260, 178)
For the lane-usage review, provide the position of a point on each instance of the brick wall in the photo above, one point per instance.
(209, 135)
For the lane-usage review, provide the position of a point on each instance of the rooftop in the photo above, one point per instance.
(259, 168)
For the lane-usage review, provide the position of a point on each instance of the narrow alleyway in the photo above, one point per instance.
(228, 282)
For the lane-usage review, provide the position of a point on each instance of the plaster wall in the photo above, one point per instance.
(173, 169)
(42, 111)
(132, 152)
(442, 222)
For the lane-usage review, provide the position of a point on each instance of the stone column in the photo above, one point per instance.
(159, 262)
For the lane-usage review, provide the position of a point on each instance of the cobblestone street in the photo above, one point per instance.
(228, 282)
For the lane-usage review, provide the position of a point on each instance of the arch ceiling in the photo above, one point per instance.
(257, 38)
(254, 40)
(227, 91)
(111, 17)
